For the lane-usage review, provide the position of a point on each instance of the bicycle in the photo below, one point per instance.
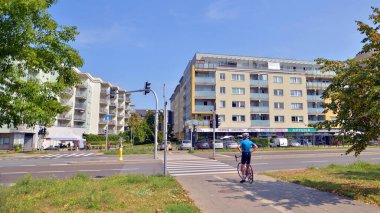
(248, 172)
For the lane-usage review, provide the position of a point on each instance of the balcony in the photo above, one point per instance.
(121, 98)
(112, 123)
(82, 85)
(63, 125)
(204, 80)
(79, 126)
(255, 123)
(259, 96)
(112, 104)
(320, 73)
(68, 91)
(102, 121)
(259, 83)
(127, 116)
(315, 121)
(81, 95)
(203, 108)
(260, 109)
(318, 85)
(112, 112)
(127, 99)
(64, 117)
(318, 110)
(67, 104)
(314, 98)
(205, 94)
(103, 111)
(103, 101)
(120, 115)
(81, 106)
(120, 123)
(120, 106)
(204, 123)
(79, 118)
(104, 92)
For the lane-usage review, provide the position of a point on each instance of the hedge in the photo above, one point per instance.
(263, 142)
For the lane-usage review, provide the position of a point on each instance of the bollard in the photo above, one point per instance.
(120, 152)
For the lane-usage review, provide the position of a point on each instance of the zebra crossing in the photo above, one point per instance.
(68, 155)
(198, 167)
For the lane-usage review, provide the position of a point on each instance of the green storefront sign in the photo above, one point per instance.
(302, 130)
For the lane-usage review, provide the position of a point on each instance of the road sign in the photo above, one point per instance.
(107, 117)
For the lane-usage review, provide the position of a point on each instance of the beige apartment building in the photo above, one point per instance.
(88, 103)
(263, 96)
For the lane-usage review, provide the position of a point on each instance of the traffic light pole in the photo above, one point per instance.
(213, 132)
(107, 136)
(155, 118)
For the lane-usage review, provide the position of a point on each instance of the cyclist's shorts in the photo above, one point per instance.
(246, 158)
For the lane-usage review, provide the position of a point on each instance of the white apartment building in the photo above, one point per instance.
(88, 104)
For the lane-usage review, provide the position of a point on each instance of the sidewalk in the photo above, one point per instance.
(224, 193)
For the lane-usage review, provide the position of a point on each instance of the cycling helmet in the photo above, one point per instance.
(245, 135)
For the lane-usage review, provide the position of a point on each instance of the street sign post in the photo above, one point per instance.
(107, 118)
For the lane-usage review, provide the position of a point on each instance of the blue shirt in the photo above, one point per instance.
(246, 145)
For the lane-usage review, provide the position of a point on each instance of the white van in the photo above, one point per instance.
(282, 142)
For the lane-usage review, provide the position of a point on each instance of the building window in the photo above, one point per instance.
(205, 103)
(278, 105)
(296, 106)
(277, 79)
(238, 104)
(260, 117)
(278, 92)
(222, 76)
(222, 104)
(238, 118)
(279, 119)
(295, 80)
(296, 93)
(297, 119)
(222, 90)
(237, 77)
(238, 91)
(222, 118)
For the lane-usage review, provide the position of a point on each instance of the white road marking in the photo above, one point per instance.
(59, 164)
(316, 161)
(49, 172)
(199, 167)
(27, 165)
(89, 170)
(375, 158)
(203, 173)
(12, 173)
(259, 164)
(124, 169)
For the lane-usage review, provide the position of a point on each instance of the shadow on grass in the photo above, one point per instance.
(362, 175)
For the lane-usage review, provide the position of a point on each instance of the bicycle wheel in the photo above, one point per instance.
(250, 174)
(239, 170)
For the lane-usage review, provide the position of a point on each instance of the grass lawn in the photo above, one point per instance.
(359, 181)
(130, 193)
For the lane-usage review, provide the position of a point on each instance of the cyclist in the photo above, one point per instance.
(246, 147)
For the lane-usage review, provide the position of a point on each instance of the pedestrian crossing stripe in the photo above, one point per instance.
(199, 167)
(56, 156)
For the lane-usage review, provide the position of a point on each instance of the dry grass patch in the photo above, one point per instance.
(359, 181)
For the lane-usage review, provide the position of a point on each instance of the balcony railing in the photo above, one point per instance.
(204, 123)
(104, 92)
(259, 96)
(204, 108)
(317, 85)
(320, 73)
(113, 104)
(127, 99)
(205, 94)
(259, 83)
(79, 118)
(102, 121)
(315, 121)
(318, 110)
(68, 91)
(127, 116)
(79, 126)
(255, 123)
(82, 85)
(64, 116)
(67, 104)
(120, 114)
(103, 101)
(111, 123)
(259, 109)
(80, 106)
(120, 123)
(63, 125)
(103, 111)
(112, 112)
(314, 98)
(81, 95)
(207, 80)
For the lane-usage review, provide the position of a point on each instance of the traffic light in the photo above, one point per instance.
(218, 121)
(105, 131)
(211, 123)
(147, 88)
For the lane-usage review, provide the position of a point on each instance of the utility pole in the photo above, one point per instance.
(165, 136)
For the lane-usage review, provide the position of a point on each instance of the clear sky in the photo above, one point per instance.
(129, 42)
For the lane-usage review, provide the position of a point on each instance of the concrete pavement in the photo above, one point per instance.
(224, 193)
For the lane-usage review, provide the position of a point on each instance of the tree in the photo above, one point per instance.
(138, 127)
(31, 42)
(354, 94)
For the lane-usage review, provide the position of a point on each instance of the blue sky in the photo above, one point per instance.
(129, 42)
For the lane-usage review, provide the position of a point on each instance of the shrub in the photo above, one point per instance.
(17, 147)
(263, 142)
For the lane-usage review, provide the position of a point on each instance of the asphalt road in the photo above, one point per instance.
(102, 166)
(283, 160)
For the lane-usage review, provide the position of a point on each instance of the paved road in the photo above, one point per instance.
(66, 165)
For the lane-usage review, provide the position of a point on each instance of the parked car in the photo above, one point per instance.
(218, 144)
(279, 142)
(169, 145)
(231, 145)
(294, 143)
(202, 145)
(185, 144)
